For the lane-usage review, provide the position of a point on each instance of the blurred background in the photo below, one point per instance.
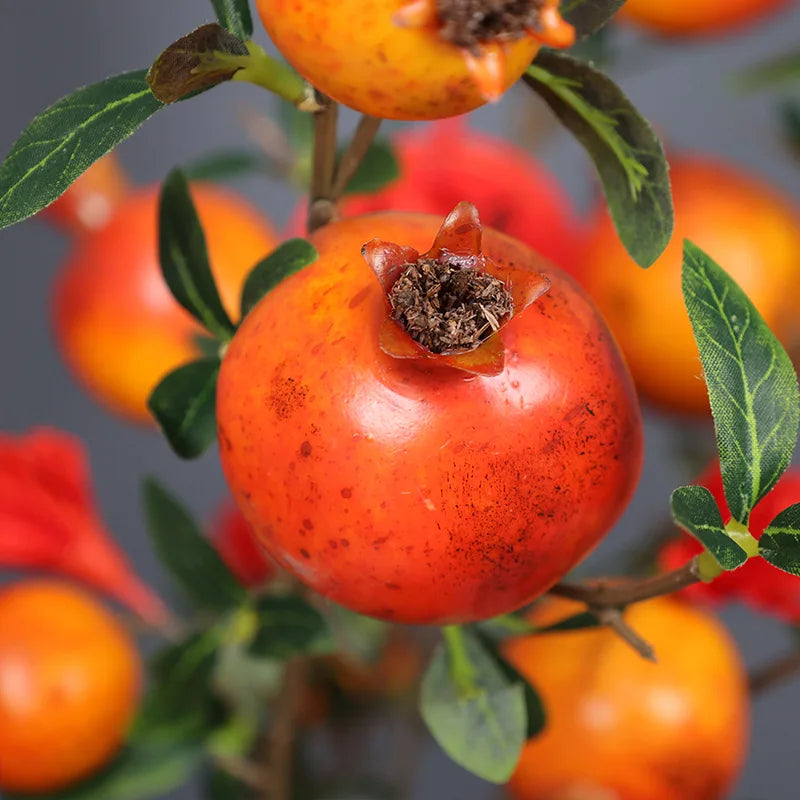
(685, 89)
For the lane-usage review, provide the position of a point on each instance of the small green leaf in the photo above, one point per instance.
(184, 405)
(235, 16)
(288, 625)
(184, 257)
(285, 260)
(378, 168)
(188, 554)
(207, 56)
(140, 771)
(478, 718)
(751, 383)
(695, 510)
(778, 70)
(66, 139)
(627, 154)
(780, 542)
(589, 16)
(180, 705)
(224, 165)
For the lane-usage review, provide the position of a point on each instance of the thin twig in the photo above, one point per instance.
(354, 154)
(604, 593)
(773, 674)
(612, 617)
(322, 208)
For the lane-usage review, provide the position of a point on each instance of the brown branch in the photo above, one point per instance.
(771, 675)
(605, 593)
(321, 207)
(612, 617)
(354, 154)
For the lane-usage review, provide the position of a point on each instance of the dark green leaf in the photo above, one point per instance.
(780, 69)
(285, 260)
(203, 58)
(184, 405)
(790, 119)
(140, 771)
(378, 167)
(695, 510)
(627, 154)
(589, 15)
(751, 383)
(576, 622)
(67, 138)
(288, 625)
(187, 553)
(235, 16)
(780, 542)
(180, 705)
(184, 258)
(226, 164)
(221, 786)
(479, 719)
(534, 708)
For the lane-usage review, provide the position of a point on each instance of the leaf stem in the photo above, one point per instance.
(322, 207)
(461, 667)
(779, 671)
(275, 76)
(354, 154)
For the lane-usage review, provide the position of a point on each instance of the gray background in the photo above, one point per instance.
(50, 48)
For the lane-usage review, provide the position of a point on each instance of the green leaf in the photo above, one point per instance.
(589, 15)
(188, 554)
(751, 383)
(235, 16)
(695, 510)
(378, 167)
(359, 636)
(184, 257)
(205, 57)
(790, 120)
(780, 542)
(66, 139)
(288, 625)
(184, 405)
(627, 154)
(140, 771)
(285, 260)
(784, 68)
(224, 165)
(221, 786)
(180, 704)
(575, 622)
(473, 711)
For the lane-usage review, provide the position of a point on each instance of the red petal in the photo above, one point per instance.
(459, 235)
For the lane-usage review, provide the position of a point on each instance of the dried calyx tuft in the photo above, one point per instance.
(469, 23)
(448, 308)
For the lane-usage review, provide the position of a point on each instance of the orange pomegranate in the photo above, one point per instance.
(116, 323)
(623, 728)
(69, 686)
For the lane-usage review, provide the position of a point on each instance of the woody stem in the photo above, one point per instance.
(322, 206)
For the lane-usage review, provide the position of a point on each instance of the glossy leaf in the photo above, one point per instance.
(288, 625)
(235, 16)
(378, 168)
(196, 62)
(751, 383)
(477, 718)
(184, 405)
(180, 705)
(140, 771)
(696, 511)
(588, 16)
(67, 138)
(285, 260)
(187, 553)
(184, 257)
(626, 152)
(780, 542)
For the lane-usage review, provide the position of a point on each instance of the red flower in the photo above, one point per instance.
(756, 582)
(49, 522)
(234, 541)
(445, 163)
